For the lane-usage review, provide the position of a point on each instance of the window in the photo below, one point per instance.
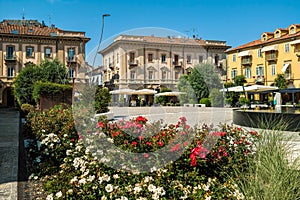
(216, 59)
(264, 37)
(132, 75)
(150, 57)
(273, 70)
(163, 58)
(164, 75)
(48, 52)
(71, 54)
(29, 52)
(10, 52)
(151, 75)
(233, 58)
(71, 73)
(259, 53)
(259, 71)
(176, 75)
(286, 48)
(277, 34)
(293, 30)
(176, 59)
(131, 57)
(233, 73)
(248, 72)
(200, 59)
(188, 59)
(118, 57)
(10, 72)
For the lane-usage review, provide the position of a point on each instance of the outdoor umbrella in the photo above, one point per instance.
(144, 91)
(169, 94)
(122, 91)
(259, 88)
(233, 89)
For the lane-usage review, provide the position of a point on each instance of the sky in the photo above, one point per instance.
(235, 21)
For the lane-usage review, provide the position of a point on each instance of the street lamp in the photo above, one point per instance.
(103, 16)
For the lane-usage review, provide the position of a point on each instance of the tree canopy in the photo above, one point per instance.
(47, 71)
(280, 81)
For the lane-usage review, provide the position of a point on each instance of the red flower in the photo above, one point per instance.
(193, 160)
(141, 137)
(160, 143)
(72, 140)
(133, 143)
(182, 119)
(141, 119)
(100, 125)
(185, 144)
(221, 134)
(149, 144)
(115, 134)
(199, 151)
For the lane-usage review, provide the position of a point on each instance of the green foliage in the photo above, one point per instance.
(162, 99)
(239, 80)
(184, 86)
(280, 81)
(244, 101)
(102, 99)
(231, 98)
(47, 71)
(205, 101)
(40, 88)
(216, 98)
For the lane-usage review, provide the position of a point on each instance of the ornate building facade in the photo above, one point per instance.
(138, 62)
(23, 41)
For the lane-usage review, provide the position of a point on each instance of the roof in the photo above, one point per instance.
(170, 40)
(260, 42)
(33, 27)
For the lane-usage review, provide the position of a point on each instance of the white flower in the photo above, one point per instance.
(160, 191)
(82, 181)
(91, 178)
(152, 188)
(59, 194)
(110, 140)
(103, 198)
(208, 198)
(49, 197)
(116, 176)
(70, 191)
(109, 188)
(137, 189)
(68, 152)
(73, 180)
(155, 196)
(148, 179)
(106, 178)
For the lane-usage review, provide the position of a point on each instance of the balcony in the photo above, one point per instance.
(289, 76)
(259, 79)
(133, 63)
(10, 57)
(70, 59)
(177, 64)
(247, 60)
(271, 57)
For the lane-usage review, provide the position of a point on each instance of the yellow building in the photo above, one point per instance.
(23, 41)
(261, 60)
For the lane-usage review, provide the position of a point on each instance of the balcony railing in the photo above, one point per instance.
(271, 57)
(71, 59)
(177, 64)
(11, 57)
(246, 61)
(133, 63)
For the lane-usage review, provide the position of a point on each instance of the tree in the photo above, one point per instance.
(47, 71)
(102, 99)
(280, 81)
(184, 86)
(203, 79)
(239, 80)
(216, 98)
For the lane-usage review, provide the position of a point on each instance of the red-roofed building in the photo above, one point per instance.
(261, 60)
(23, 41)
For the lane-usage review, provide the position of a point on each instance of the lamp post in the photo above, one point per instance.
(103, 16)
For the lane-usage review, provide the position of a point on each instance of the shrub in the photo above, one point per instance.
(205, 101)
(102, 99)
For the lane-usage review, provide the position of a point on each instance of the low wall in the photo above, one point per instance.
(267, 119)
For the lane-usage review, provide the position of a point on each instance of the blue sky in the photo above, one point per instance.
(234, 21)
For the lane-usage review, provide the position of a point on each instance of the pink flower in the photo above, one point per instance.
(146, 155)
(149, 144)
(100, 125)
(175, 148)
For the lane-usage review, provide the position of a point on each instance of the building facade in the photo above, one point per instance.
(23, 41)
(138, 62)
(261, 60)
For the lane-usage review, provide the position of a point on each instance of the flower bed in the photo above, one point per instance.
(173, 161)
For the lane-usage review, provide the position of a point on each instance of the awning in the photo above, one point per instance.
(270, 48)
(244, 53)
(285, 66)
(295, 42)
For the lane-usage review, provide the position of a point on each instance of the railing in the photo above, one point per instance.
(246, 61)
(71, 59)
(271, 57)
(133, 63)
(11, 57)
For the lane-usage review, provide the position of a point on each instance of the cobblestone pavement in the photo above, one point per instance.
(9, 153)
